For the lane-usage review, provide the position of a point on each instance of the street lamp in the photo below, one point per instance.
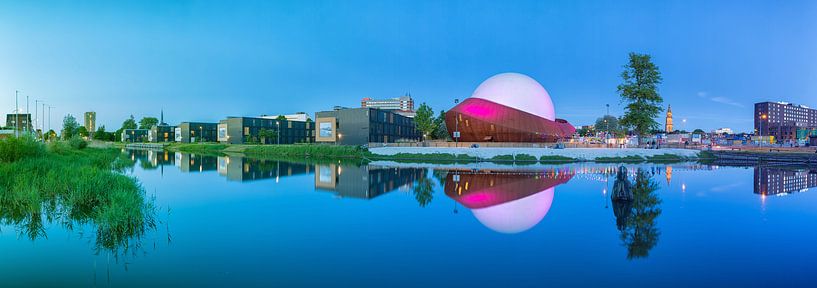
(278, 132)
(762, 117)
(456, 125)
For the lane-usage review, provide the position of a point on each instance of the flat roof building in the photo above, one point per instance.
(19, 122)
(403, 105)
(134, 135)
(241, 130)
(162, 133)
(359, 126)
(189, 132)
(783, 120)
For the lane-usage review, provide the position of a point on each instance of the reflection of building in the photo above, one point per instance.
(19, 122)
(364, 182)
(668, 127)
(775, 181)
(508, 107)
(134, 135)
(245, 169)
(90, 122)
(785, 121)
(195, 163)
(188, 132)
(506, 201)
(240, 130)
(401, 105)
(360, 126)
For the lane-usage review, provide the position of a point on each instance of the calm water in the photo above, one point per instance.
(228, 221)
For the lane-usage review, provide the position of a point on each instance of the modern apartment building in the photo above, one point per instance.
(189, 132)
(162, 133)
(358, 126)
(401, 105)
(134, 135)
(19, 122)
(785, 121)
(241, 130)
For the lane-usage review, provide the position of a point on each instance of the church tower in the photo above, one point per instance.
(668, 127)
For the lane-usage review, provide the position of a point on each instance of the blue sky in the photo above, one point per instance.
(202, 60)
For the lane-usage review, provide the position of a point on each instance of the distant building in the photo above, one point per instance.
(189, 132)
(134, 135)
(19, 122)
(785, 121)
(300, 116)
(721, 131)
(668, 127)
(90, 122)
(401, 105)
(360, 126)
(240, 130)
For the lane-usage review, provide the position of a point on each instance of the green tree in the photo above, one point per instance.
(148, 122)
(82, 132)
(440, 130)
(698, 131)
(100, 133)
(281, 118)
(267, 134)
(425, 120)
(611, 123)
(129, 123)
(640, 92)
(636, 218)
(69, 126)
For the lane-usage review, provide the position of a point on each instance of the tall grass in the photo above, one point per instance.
(71, 187)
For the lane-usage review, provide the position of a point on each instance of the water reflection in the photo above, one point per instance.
(365, 182)
(506, 201)
(237, 168)
(635, 207)
(781, 181)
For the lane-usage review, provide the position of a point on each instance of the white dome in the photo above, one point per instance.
(517, 91)
(517, 215)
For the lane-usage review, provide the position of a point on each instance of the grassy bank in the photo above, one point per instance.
(68, 184)
(343, 152)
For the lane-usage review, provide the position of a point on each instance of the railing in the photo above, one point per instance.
(146, 146)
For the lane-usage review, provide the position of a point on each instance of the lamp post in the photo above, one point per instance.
(278, 132)
(16, 113)
(456, 125)
(36, 113)
(763, 117)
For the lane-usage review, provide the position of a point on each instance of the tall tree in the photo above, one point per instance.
(425, 120)
(82, 132)
(440, 130)
(129, 123)
(640, 92)
(69, 126)
(148, 122)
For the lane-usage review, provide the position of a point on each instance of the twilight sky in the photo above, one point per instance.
(205, 60)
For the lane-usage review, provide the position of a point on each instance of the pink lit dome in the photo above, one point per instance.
(517, 91)
(518, 215)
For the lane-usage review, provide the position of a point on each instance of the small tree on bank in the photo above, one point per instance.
(69, 126)
(640, 92)
(424, 119)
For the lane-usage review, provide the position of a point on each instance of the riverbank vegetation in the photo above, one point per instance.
(68, 184)
(345, 152)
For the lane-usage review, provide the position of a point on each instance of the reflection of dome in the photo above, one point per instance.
(517, 91)
(518, 215)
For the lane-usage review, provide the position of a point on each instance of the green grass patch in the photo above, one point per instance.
(555, 159)
(502, 158)
(67, 186)
(198, 148)
(666, 158)
(625, 159)
(526, 158)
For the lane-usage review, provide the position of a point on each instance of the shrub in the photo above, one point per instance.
(16, 148)
(525, 157)
(77, 143)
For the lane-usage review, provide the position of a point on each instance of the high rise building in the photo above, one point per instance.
(668, 127)
(401, 105)
(785, 121)
(90, 122)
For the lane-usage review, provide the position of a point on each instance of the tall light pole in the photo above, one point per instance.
(278, 132)
(36, 113)
(456, 125)
(29, 116)
(49, 117)
(16, 113)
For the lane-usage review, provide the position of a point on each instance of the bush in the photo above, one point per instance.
(16, 148)
(525, 157)
(77, 143)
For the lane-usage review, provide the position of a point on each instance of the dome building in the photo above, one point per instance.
(508, 107)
